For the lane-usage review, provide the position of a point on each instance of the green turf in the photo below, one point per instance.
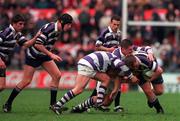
(32, 105)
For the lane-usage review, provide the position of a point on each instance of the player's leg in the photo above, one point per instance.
(81, 82)
(85, 105)
(158, 86)
(26, 80)
(105, 79)
(55, 74)
(2, 78)
(152, 99)
(117, 107)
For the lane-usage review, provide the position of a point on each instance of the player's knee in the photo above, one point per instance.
(77, 90)
(159, 92)
(57, 77)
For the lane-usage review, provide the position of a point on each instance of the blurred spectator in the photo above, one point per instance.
(91, 16)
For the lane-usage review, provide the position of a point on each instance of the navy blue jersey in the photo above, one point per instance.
(8, 39)
(47, 38)
(108, 38)
(145, 63)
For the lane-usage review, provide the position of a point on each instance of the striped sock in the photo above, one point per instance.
(86, 104)
(100, 95)
(68, 96)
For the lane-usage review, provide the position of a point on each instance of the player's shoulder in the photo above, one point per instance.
(49, 27)
(5, 32)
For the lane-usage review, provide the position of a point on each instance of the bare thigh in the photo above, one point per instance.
(81, 82)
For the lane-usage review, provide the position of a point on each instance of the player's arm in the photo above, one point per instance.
(116, 87)
(156, 73)
(146, 49)
(42, 48)
(102, 48)
(31, 41)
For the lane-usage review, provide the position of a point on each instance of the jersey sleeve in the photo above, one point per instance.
(146, 49)
(21, 39)
(46, 29)
(123, 70)
(117, 53)
(100, 39)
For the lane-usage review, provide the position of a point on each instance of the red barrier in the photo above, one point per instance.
(42, 79)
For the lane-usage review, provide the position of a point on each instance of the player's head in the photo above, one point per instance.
(115, 23)
(18, 22)
(126, 46)
(132, 62)
(66, 21)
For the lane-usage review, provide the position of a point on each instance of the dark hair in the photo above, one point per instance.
(115, 17)
(18, 17)
(129, 61)
(125, 43)
(65, 19)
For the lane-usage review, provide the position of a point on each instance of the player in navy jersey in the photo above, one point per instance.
(9, 38)
(108, 40)
(140, 65)
(40, 55)
(101, 66)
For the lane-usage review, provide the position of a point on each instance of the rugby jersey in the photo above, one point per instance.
(136, 49)
(101, 61)
(8, 39)
(108, 38)
(145, 63)
(47, 38)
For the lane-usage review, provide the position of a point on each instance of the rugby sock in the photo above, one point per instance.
(53, 91)
(94, 93)
(14, 93)
(117, 99)
(157, 105)
(67, 96)
(86, 104)
(100, 95)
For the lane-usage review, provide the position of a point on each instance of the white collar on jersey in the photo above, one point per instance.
(12, 28)
(118, 31)
(56, 26)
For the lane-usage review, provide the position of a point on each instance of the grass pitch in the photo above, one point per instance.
(32, 105)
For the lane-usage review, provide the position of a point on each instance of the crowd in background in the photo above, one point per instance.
(90, 18)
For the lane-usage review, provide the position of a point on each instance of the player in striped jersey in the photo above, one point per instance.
(40, 55)
(126, 48)
(101, 66)
(9, 38)
(108, 40)
(140, 65)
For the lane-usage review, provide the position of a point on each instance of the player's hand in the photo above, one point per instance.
(2, 64)
(112, 95)
(38, 34)
(55, 57)
(111, 49)
(134, 79)
(150, 57)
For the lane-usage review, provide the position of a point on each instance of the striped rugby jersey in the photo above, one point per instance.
(47, 38)
(136, 49)
(145, 63)
(101, 61)
(108, 38)
(8, 39)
